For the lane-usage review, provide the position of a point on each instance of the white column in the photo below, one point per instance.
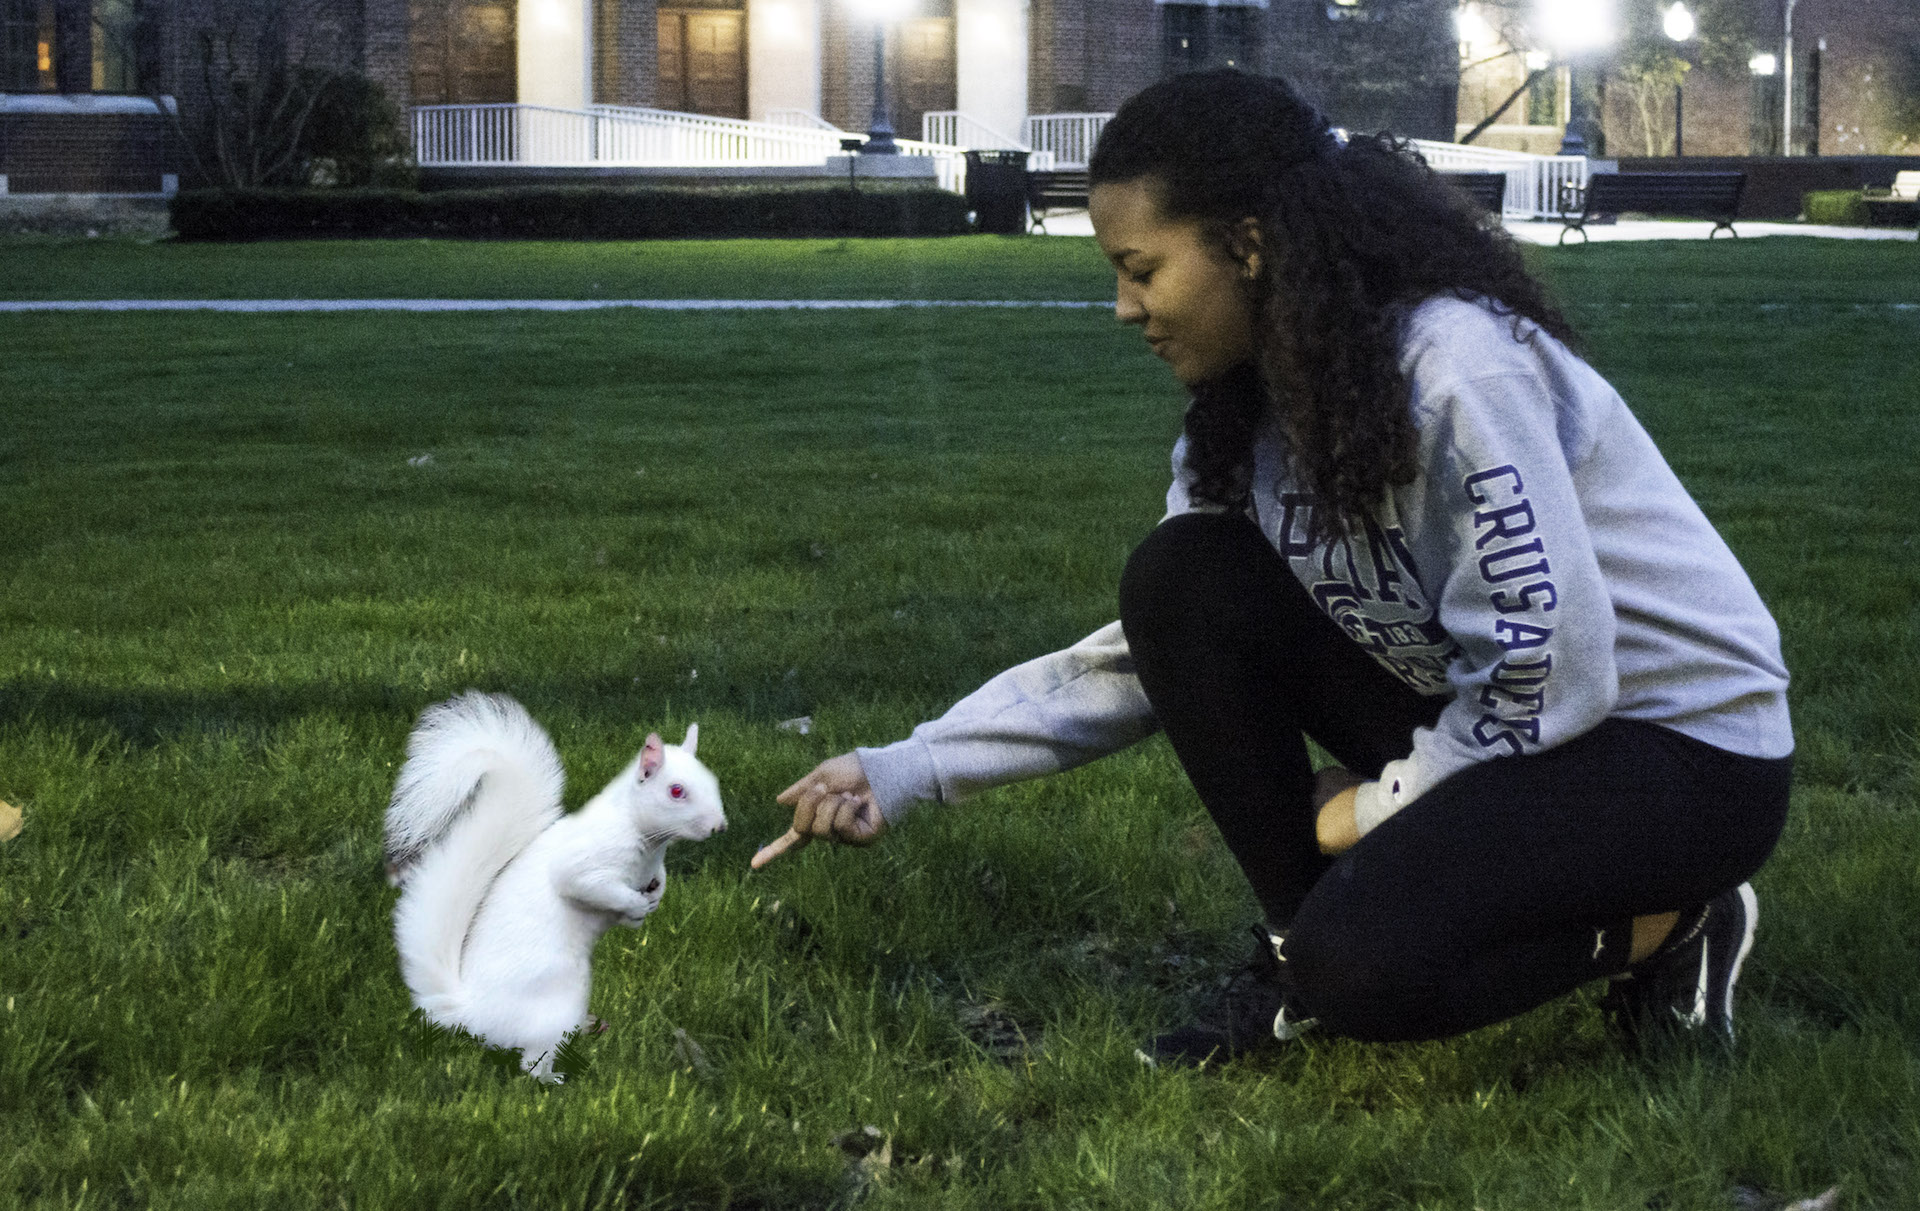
(783, 56)
(556, 53)
(990, 62)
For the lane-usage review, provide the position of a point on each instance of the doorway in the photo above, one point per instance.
(923, 72)
(703, 61)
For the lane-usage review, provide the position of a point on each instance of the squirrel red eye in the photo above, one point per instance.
(677, 791)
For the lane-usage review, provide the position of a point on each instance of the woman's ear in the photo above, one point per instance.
(1244, 241)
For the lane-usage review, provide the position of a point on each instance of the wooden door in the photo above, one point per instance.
(703, 61)
(923, 72)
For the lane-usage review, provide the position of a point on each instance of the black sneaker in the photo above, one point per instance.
(1688, 983)
(1250, 1014)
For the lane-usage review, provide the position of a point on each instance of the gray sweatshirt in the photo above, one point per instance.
(1545, 571)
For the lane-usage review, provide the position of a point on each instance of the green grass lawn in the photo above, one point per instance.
(225, 594)
(1774, 269)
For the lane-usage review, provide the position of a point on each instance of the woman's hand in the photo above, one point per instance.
(833, 801)
(1333, 796)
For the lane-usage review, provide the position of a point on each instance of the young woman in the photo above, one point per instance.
(1408, 522)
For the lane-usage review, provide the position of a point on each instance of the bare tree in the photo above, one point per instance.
(262, 68)
(1643, 60)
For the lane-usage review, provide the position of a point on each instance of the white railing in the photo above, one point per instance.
(949, 163)
(951, 128)
(1537, 186)
(631, 135)
(805, 119)
(472, 135)
(467, 135)
(1068, 138)
(956, 129)
(606, 134)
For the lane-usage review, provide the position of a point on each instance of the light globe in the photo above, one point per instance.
(1678, 23)
(1573, 27)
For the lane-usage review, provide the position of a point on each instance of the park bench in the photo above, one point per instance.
(1689, 195)
(1487, 189)
(1896, 206)
(1055, 191)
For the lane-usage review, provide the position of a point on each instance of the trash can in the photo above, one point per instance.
(997, 191)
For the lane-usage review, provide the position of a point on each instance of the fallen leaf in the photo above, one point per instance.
(420, 460)
(859, 1143)
(1825, 1201)
(570, 1058)
(995, 1032)
(880, 1159)
(10, 824)
(803, 725)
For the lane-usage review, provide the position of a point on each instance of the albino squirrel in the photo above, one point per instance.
(502, 895)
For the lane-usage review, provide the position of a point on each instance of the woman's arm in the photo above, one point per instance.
(1047, 715)
(1497, 526)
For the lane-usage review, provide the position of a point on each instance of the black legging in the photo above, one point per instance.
(1510, 883)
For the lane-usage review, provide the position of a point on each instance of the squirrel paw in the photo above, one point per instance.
(651, 893)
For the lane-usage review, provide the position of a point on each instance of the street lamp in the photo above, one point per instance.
(1679, 26)
(1574, 28)
(880, 130)
(1786, 80)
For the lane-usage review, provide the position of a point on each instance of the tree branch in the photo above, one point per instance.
(1505, 105)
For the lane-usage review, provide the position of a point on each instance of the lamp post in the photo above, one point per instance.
(880, 132)
(1575, 28)
(1786, 80)
(1679, 26)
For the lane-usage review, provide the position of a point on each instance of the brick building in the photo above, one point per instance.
(73, 72)
(1372, 63)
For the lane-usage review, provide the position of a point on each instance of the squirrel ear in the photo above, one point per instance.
(692, 740)
(651, 754)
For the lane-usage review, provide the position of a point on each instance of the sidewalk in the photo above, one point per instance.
(1547, 231)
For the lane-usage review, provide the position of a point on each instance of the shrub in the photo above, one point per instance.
(1835, 207)
(356, 136)
(567, 213)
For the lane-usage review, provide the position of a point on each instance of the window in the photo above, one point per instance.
(115, 58)
(26, 46)
(1543, 99)
(463, 51)
(1184, 29)
(1195, 37)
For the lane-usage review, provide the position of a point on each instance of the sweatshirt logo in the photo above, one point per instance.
(1514, 567)
(1366, 583)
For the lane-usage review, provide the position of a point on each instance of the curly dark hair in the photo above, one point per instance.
(1352, 234)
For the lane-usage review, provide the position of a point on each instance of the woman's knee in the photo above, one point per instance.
(1187, 563)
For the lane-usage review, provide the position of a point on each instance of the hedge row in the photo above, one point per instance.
(567, 213)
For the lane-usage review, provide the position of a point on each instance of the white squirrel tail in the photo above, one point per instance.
(481, 781)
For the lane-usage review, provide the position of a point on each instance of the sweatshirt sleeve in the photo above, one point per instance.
(1505, 548)
(1041, 717)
